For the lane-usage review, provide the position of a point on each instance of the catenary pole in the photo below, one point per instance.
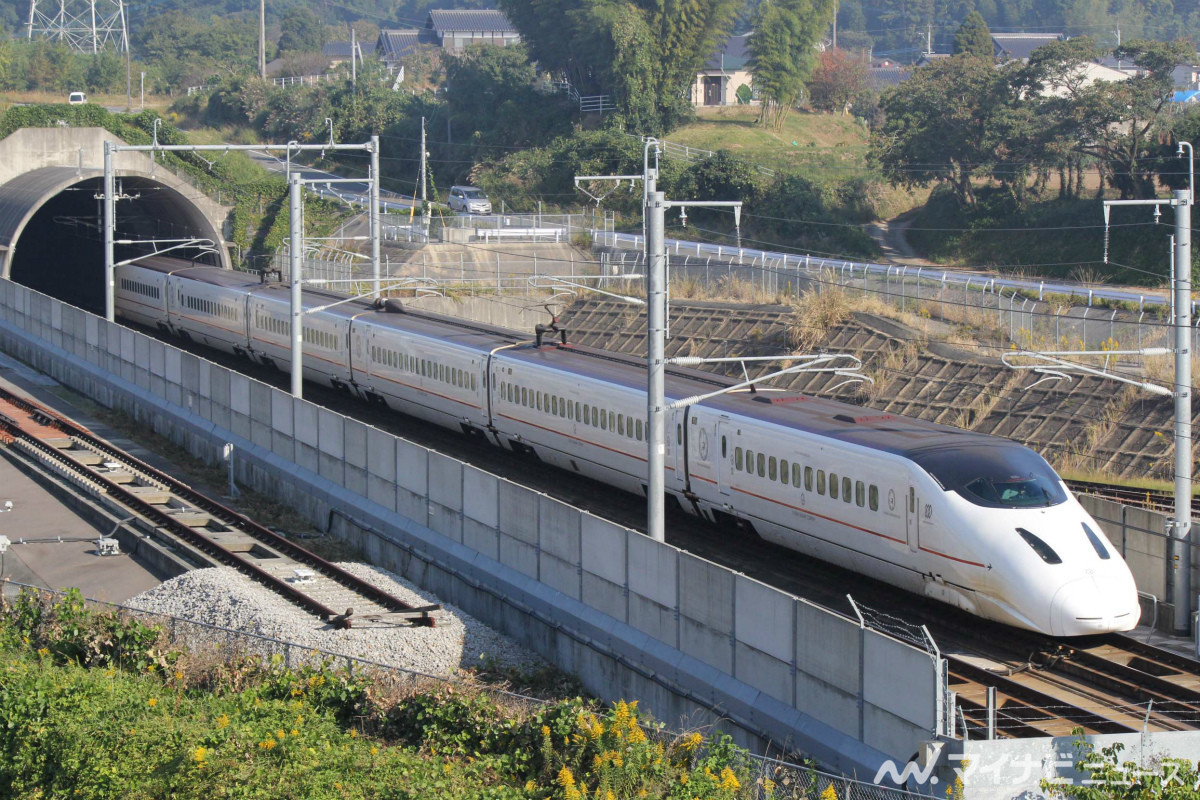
(110, 225)
(374, 216)
(297, 246)
(1180, 541)
(656, 307)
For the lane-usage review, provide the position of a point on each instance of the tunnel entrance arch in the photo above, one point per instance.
(52, 234)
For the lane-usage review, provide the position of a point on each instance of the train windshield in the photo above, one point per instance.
(994, 475)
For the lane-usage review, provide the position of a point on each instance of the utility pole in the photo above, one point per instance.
(1179, 527)
(110, 214)
(373, 217)
(262, 39)
(424, 175)
(142, 91)
(353, 57)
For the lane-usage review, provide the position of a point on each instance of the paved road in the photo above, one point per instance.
(356, 192)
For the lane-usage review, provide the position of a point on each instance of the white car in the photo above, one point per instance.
(76, 98)
(470, 200)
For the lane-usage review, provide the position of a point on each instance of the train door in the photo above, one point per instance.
(679, 438)
(912, 520)
(724, 458)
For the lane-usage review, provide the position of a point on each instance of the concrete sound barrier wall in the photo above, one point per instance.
(630, 616)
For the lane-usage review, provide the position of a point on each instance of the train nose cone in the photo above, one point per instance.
(1085, 606)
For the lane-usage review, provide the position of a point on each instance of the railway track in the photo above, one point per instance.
(1045, 686)
(1144, 498)
(198, 529)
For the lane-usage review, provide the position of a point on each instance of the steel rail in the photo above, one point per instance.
(219, 512)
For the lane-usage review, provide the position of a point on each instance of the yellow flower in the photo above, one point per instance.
(446, 768)
(152, 702)
(223, 721)
(530, 786)
(545, 730)
(267, 744)
(353, 733)
(830, 793)
(571, 793)
(729, 781)
(691, 741)
(295, 732)
(43, 651)
(636, 734)
(565, 779)
(683, 779)
(178, 675)
(768, 785)
(374, 750)
(279, 734)
(199, 754)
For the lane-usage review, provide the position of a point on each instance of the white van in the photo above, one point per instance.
(77, 98)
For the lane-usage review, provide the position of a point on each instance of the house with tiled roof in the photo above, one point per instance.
(726, 70)
(455, 29)
(393, 45)
(1018, 46)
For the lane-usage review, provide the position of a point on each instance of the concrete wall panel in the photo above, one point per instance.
(304, 423)
(654, 619)
(764, 671)
(706, 593)
(445, 481)
(239, 394)
(519, 512)
(411, 505)
(653, 570)
(481, 495)
(445, 521)
(356, 457)
(519, 555)
(764, 618)
(827, 647)
(282, 442)
(381, 468)
(331, 446)
(604, 596)
(713, 646)
(411, 467)
(888, 664)
(890, 733)
(603, 548)
(481, 538)
(829, 704)
(560, 575)
(560, 528)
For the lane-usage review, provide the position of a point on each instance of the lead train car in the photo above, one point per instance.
(975, 521)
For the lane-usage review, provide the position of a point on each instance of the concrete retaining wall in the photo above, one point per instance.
(1140, 536)
(631, 617)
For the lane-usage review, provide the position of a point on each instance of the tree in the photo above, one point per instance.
(302, 31)
(783, 52)
(644, 53)
(974, 38)
(838, 81)
(949, 123)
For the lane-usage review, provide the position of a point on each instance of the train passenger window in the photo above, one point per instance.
(578, 408)
(783, 470)
(621, 424)
(762, 465)
(474, 382)
(571, 410)
(524, 397)
(873, 497)
(820, 481)
(808, 479)
(604, 420)
(587, 414)
(795, 475)
(737, 454)
(639, 430)
(834, 484)
(724, 447)
(678, 434)
(772, 468)
(846, 490)
(860, 493)
(749, 460)
(629, 427)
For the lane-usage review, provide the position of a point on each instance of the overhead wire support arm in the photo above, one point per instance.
(1062, 366)
(809, 366)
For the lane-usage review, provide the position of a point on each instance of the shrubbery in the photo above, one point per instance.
(95, 705)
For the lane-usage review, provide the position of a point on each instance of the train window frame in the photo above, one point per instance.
(737, 457)
(808, 479)
(603, 420)
(835, 484)
(760, 461)
(772, 468)
(724, 447)
(612, 420)
(847, 490)
(821, 482)
(749, 461)
(620, 424)
(860, 494)
(797, 475)
(641, 432)
(783, 471)
(873, 497)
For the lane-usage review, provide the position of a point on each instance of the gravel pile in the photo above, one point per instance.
(225, 598)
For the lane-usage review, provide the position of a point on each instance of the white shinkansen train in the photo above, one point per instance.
(975, 521)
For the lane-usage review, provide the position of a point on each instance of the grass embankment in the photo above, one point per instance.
(96, 706)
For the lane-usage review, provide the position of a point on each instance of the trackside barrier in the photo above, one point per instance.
(630, 616)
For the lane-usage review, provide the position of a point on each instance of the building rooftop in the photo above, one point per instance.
(490, 20)
(732, 55)
(1018, 46)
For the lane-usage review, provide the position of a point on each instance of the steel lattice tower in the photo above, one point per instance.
(88, 26)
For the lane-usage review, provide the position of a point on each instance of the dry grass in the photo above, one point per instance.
(817, 312)
(978, 409)
(1096, 432)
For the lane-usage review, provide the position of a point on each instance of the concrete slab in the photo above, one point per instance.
(653, 570)
(481, 493)
(445, 481)
(37, 514)
(827, 648)
(764, 618)
(519, 512)
(560, 529)
(706, 593)
(888, 664)
(602, 548)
